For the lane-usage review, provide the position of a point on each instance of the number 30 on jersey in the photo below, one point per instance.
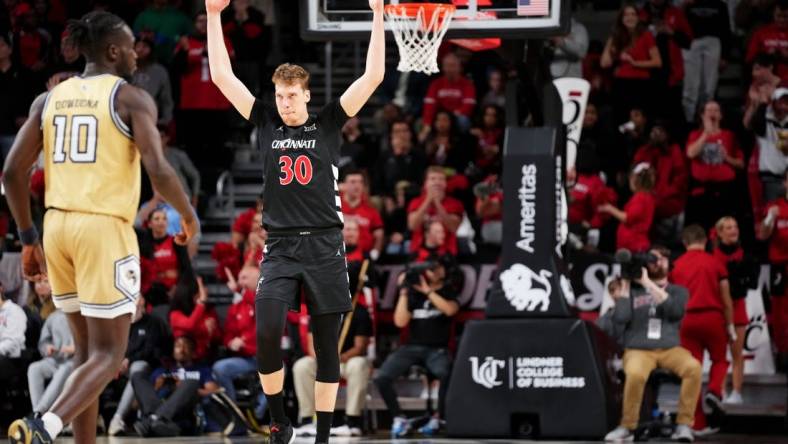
(301, 170)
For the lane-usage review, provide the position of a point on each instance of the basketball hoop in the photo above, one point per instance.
(419, 29)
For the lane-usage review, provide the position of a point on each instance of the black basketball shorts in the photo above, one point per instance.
(312, 261)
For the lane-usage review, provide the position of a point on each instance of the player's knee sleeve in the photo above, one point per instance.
(325, 332)
(271, 316)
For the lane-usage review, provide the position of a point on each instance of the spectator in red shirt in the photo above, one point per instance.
(32, 43)
(728, 250)
(670, 190)
(239, 332)
(203, 108)
(246, 245)
(351, 232)
(775, 229)
(355, 206)
(242, 225)
(255, 242)
(452, 92)
(191, 316)
(434, 243)
(714, 159)
(170, 260)
(434, 204)
(673, 33)
(632, 53)
(638, 214)
(586, 196)
(245, 26)
(708, 321)
(772, 39)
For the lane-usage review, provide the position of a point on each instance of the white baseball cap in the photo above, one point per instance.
(779, 92)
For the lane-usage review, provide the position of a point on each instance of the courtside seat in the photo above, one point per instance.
(653, 423)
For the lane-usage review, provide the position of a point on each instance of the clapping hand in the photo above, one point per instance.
(236, 344)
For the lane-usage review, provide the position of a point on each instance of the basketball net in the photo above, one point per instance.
(418, 30)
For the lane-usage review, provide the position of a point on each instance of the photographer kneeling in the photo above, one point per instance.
(426, 304)
(649, 311)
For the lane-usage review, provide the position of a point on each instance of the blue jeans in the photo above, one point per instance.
(225, 370)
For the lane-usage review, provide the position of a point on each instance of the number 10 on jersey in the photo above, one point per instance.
(301, 170)
(80, 150)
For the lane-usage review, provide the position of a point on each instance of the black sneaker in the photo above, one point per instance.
(713, 404)
(164, 427)
(28, 430)
(715, 411)
(143, 427)
(282, 434)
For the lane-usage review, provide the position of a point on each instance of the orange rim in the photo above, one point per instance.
(411, 10)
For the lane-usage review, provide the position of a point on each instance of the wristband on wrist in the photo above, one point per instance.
(29, 236)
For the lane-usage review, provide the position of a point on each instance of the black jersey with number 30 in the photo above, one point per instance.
(300, 170)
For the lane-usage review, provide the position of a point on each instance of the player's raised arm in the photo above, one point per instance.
(360, 91)
(219, 61)
(16, 180)
(137, 107)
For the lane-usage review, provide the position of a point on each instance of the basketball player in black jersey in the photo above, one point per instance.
(305, 250)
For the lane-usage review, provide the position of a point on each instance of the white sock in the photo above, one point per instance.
(52, 424)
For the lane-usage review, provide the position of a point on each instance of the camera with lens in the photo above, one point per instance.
(415, 270)
(632, 264)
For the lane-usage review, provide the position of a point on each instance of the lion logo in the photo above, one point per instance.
(518, 286)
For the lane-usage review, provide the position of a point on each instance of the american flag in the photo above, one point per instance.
(533, 7)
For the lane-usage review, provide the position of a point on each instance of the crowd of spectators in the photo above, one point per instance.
(421, 184)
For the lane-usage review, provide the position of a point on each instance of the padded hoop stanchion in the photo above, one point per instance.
(418, 30)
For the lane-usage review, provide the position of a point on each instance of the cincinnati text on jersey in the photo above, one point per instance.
(293, 144)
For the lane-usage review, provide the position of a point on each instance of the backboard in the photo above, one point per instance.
(351, 19)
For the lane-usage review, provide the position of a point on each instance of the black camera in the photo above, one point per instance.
(633, 263)
(415, 270)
